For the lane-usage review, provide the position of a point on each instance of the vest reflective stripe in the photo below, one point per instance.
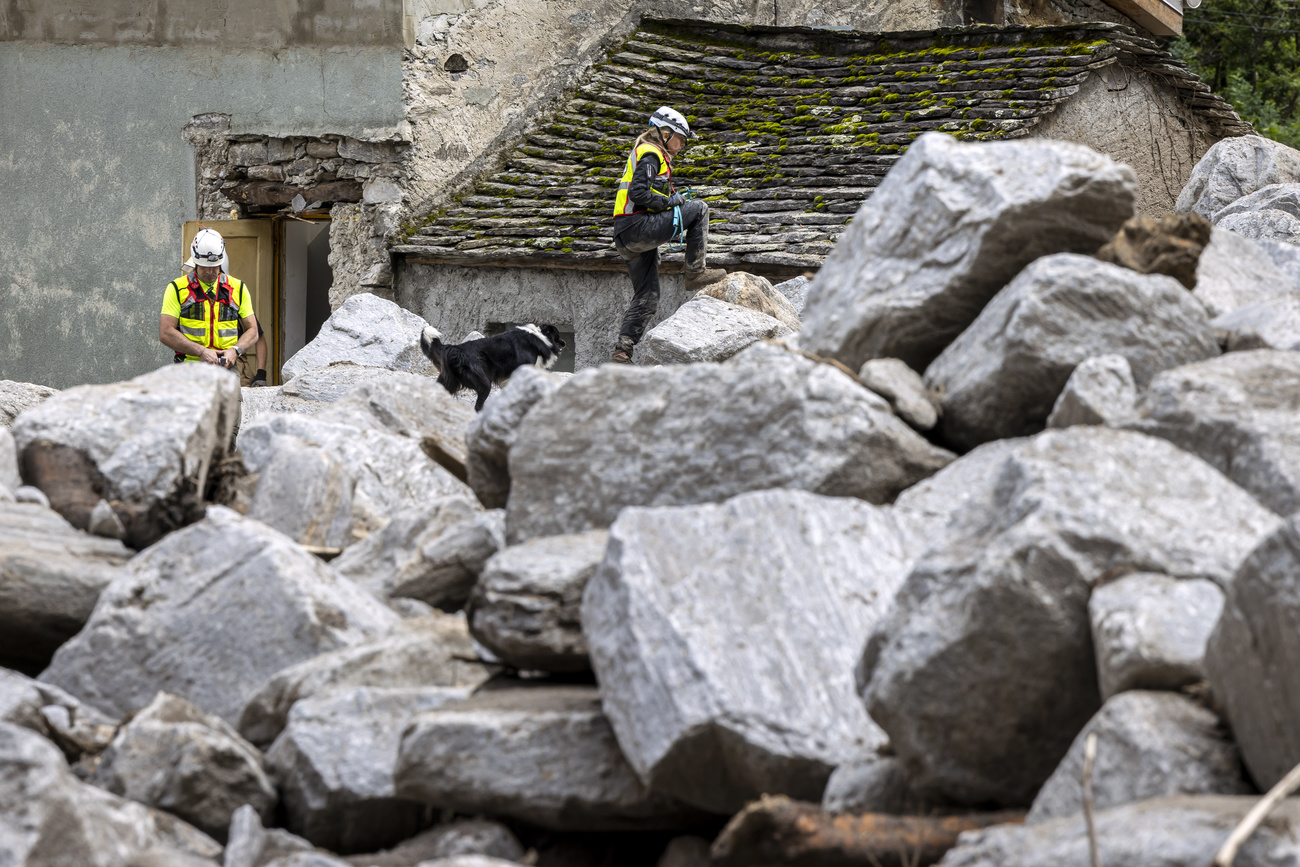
(211, 322)
(623, 204)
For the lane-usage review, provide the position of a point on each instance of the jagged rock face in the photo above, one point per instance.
(1149, 744)
(1100, 390)
(311, 391)
(1234, 271)
(1274, 197)
(18, 396)
(1001, 377)
(146, 445)
(903, 388)
(174, 757)
(1275, 320)
(681, 675)
(9, 477)
(706, 329)
(1238, 414)
(1182, 830)
(543, 755)
(48, 817)
(366, 330)
(51, 575)
(879, 784)
(1150, 631)
(226, 595)
(1171, 245)
(754, 293)
(1233, 168)
(74, 727)
(1250, 657)
(795, 291)
(493, 432)
(768, 418)
(527, 604)
(430, 651)
(947, 228)
(992, 624)
(1268, 225)
(334, 763)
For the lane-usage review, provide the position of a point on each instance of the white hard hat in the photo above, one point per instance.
(673, 120)
(208, 249)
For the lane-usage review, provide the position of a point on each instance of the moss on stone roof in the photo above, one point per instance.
(796, 127)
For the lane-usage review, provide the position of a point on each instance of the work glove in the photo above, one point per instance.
(259, 380)
(676, 200)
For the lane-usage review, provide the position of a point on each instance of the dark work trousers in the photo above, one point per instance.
(637, 238)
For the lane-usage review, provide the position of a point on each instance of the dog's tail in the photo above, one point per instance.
(431, 344)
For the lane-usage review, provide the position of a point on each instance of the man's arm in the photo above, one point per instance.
(169, 333)
(246, 340)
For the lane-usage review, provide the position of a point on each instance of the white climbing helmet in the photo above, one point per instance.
(208, 249)
(673, 120)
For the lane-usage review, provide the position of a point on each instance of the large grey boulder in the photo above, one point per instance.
(1148, 744)
(992, 624)
(1268, 226)
(947, 228)
(1238, 414)
(431, 651)
(769, 418)
(365, 330)
(753, 293)
(1100, 390)
(904, 389)
(1233, 168)
(706, 329)
(795, 291)
(249, 844)
(173, 756)
(51, 575)
(434, 554)
(1150, 631)
(311, 391)
(18, 396)
(334, 764)
(527, 604)
(877, 784)
(1173, 831)
(1002, 376)
(389, 447)
(73, 726)
(209, 614)
(1234, 271)
(481, 837)
(1275, 320)
(48, 818)
(146, 445)
(1274, 197)
(493, 432)
(1250, 657)
(10, 479)
(543, 755)
(739, 624)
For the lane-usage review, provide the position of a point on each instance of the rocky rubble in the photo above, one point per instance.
(365, 330)
(706, 329)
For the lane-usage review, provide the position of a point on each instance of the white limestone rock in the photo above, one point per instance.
(48, 817)
(1237, 413)
(73, 726)
(1150, 631)
(620, 436)
(51, 575)
(334, 763)
(992, 623)
(706, 329)
(903, 388)
(493, 432)
(209, 614)
(739, 624)
(172, 756)
(311, 391)
(947, 228)
(248, 844)
(1174, 831)
(9, 476)
(369, 331)
(306, 493)
(1001, 377)
(1233, 168)
(1276, 320)
(795, 291)
(1148, 744)
(430, 651)
(1268, 225)
(18, 396)
(527, 605)
(1276, 197)
(753, 293)
(1234, 271)
(543, 755)
(146, 445)
(878, 784)
(460, 837)
(1101, 390)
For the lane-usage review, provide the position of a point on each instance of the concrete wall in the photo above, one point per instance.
(1134, 118)
(97, 179)
(459, 300)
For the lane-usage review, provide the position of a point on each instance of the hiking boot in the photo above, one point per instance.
(697, 280)
(622, 353)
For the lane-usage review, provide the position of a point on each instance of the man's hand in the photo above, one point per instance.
(230, 356)
(208, 355)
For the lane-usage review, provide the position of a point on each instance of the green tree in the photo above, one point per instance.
(1246, 50)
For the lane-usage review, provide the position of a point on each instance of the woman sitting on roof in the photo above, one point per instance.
(649, 212)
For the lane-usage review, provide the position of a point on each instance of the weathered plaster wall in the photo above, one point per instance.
(1132, 117)
(459, 300)
(97, 180)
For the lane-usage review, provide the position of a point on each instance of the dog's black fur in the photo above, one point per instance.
(477, 364)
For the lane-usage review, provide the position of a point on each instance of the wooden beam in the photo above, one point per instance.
(1155, 15)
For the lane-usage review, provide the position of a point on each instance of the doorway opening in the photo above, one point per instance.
(305, 280)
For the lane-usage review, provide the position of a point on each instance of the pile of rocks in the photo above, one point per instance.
(840, 568)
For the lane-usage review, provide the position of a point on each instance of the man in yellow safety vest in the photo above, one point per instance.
(203, 313)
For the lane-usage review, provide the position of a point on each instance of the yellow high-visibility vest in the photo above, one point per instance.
(661, 184)
(209, 322)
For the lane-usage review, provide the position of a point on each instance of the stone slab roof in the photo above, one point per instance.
(796, 127)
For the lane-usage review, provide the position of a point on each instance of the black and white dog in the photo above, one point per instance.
(477, 364)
